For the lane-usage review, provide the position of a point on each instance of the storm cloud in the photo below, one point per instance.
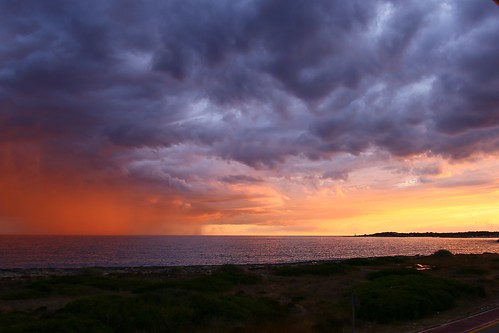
(188, 97)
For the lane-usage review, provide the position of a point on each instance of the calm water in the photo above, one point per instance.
(120, 251)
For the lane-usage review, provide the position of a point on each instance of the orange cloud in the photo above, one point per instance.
(37, 200)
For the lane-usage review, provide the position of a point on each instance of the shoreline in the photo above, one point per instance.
(29, 272)
(54, 271)
(47, 271)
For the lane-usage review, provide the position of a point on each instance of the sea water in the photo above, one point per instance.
(136, 251)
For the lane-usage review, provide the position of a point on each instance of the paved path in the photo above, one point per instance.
(484, 322)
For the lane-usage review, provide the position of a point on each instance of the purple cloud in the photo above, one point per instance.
(252, 82)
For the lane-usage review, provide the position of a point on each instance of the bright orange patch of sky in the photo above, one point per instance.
(462, 196)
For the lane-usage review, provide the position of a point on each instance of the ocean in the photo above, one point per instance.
(137, 251)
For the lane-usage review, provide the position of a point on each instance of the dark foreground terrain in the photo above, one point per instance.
(389, 294)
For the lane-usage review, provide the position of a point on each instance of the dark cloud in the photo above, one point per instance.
(463, 183)
(240, 179)
(336, 175)
(249, 81)
(429, 170)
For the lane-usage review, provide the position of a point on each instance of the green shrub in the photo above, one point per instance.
(374, 261)
(406, 297)
(25, 323)
(13, 318)
(310, 269)
(131, 314)
(393, 271)
(235, 275)
(339, 267)
(472, 271)
(170, 310)
(24, 294)
(84, 284)
(442, 253)
(222, 279)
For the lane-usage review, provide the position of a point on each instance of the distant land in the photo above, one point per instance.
(466, 234)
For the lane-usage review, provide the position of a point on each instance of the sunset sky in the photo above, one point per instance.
(254, 117)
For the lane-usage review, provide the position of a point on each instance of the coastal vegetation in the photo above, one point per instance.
(465, 234)
(389, 294)
(408, 295)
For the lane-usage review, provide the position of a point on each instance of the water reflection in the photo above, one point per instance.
(114, 251)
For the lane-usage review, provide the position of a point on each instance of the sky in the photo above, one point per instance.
(261, 117)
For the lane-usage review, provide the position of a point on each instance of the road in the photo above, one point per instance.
(484, 322)
(489, 328)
